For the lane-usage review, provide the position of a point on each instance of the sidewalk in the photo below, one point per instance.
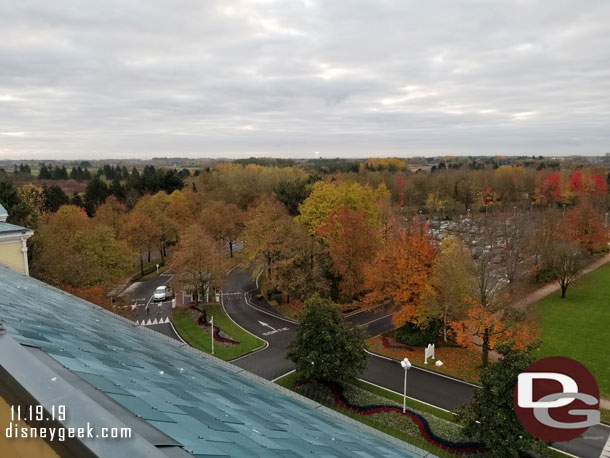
(550, 288)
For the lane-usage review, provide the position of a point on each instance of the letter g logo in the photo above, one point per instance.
(557, 399)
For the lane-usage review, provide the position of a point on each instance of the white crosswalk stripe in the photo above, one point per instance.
(165, 320)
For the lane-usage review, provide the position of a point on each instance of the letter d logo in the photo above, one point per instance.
(556, 399)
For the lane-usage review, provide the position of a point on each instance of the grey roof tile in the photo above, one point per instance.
(211, 408)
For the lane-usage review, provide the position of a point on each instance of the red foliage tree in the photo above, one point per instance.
(550, 190)
(576, 182)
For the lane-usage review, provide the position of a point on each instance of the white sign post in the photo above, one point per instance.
(212, 334)
(429, 353)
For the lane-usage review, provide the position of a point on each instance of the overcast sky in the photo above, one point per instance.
(296, 78)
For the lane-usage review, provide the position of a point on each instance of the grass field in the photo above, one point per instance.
(200, 337)
(579, 325)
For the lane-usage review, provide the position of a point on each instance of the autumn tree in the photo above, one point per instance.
(266, 228)
(141, 234)
(513, 255)
(351, 243)
(32, 198)
(178, 210)
(542, 229)
(104, 259)
(68, 249)
(155, 207)
(199, 262)
(330, 196)
(243, 185)
(549, 188)
(224, 222)
(400, 273)
(301, 269)
(564, 260)
(584, 225)
(19, 211)
(484, 325)
(451, 280)
(113, 214)
(489, 330)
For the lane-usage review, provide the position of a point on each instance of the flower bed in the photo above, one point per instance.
(202, 321)
(440, 433)
(457, 361)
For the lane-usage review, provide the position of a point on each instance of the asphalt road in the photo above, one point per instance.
(259, 319)
(147, 312)
(256, 316)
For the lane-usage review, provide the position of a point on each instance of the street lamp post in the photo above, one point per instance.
(406, 365)
(212, 322)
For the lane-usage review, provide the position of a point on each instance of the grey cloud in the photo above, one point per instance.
(288, 77)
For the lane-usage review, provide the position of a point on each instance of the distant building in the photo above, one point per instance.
(13, 244)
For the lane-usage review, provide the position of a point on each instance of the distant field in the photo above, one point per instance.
(579, 325)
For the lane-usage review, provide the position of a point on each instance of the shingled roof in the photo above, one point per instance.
(196, 403)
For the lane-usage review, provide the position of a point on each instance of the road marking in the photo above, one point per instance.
(279, 317)
(264, 347)
(266, 325)
(268, 333)
(284, 375)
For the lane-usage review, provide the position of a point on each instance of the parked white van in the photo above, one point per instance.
(161, 293)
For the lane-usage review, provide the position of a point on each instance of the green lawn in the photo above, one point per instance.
(200, 337)
(579, 325)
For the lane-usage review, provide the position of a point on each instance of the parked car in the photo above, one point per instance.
(161, 293)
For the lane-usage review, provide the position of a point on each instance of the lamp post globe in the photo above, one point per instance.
(406, 365)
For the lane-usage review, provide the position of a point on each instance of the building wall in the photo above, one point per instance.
(11, 255)
(21, 447)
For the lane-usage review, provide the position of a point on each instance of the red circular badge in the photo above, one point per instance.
(557, 399)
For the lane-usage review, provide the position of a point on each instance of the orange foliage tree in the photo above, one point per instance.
(584, 225)
(400, 273)
(352, 244)
(486, 330)
(95, 294)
